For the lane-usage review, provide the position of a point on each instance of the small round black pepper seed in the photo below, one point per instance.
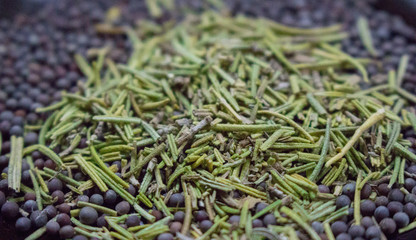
(63, 219)
(66, 232)
(132, 220)
(31, 138)
(10, 210)
(409, 184)
(80, 237)
(383, 189)
(30, 206)
(381, 201)
(64, 208)
(257, 223)
(318, 227)
(54, 184)
(50, 211)
(165, 236)
(342, 201)
(16, 131)
(260, 206)
(388, 226)
(157, 214)
(176, 200)
(356, 231)
(88, 215)
(349, 190)
(122, 208)
(23, 224)
(179, 216)
(52, 227)
(234, 220)
(269, 219)
(366, 191)
(38, 218)
(410, 198)
(339, 227)
(401, 219)
(343, 236)
(58, 195)
(323, 189)
(381, 212)
(132, 190)
(372, 232)
(97, 199)
(39, 163)
(101, 222)
(83, 198)
(396, 195)
(395, 207)
(110, 197)
(201, 215)
(175, 227)
(205, 225)
(410, 210)
(367, 207)
(50, 164)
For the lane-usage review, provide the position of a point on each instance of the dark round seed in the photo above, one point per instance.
(132, 220)
(372, 232)
(97, 199)
(269, 219)
(409, 184)
(201, 215)
(205, 225)
(52, 227)
(367, 222)
(50, 164)
(101, 222)
(396, 195)
(388, 226)
(383, 189)
(395, 207)
(257, 223)
(30, 206)
(110, 197)
(63, 219)
(260, 206)
(2, 198)
(366, 191)
(38, 218)
(39, 163)
(132, 190)
(50, 211)
(349, 190)
(343, 236)
(342, 201)
(410, 210)
(54, 184)
(64, 208)
(157, 214)
(367, 207)
(179, 216)
(29, 196)
(58, 195)
(234, 220)
(356, 231)
(323, 189)
(318, 227)
(66, 232)
(123, 207)
(83, 198)
(381, 201)
(410, 198)
(165, 236)
(176, 200)
(381, 212)
(23, 224)
(401, 219)
(80, 237)
(175, 227)
(88, 215)
(10, 210)
(339, 227)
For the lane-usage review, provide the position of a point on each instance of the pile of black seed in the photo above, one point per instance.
(36, 59)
